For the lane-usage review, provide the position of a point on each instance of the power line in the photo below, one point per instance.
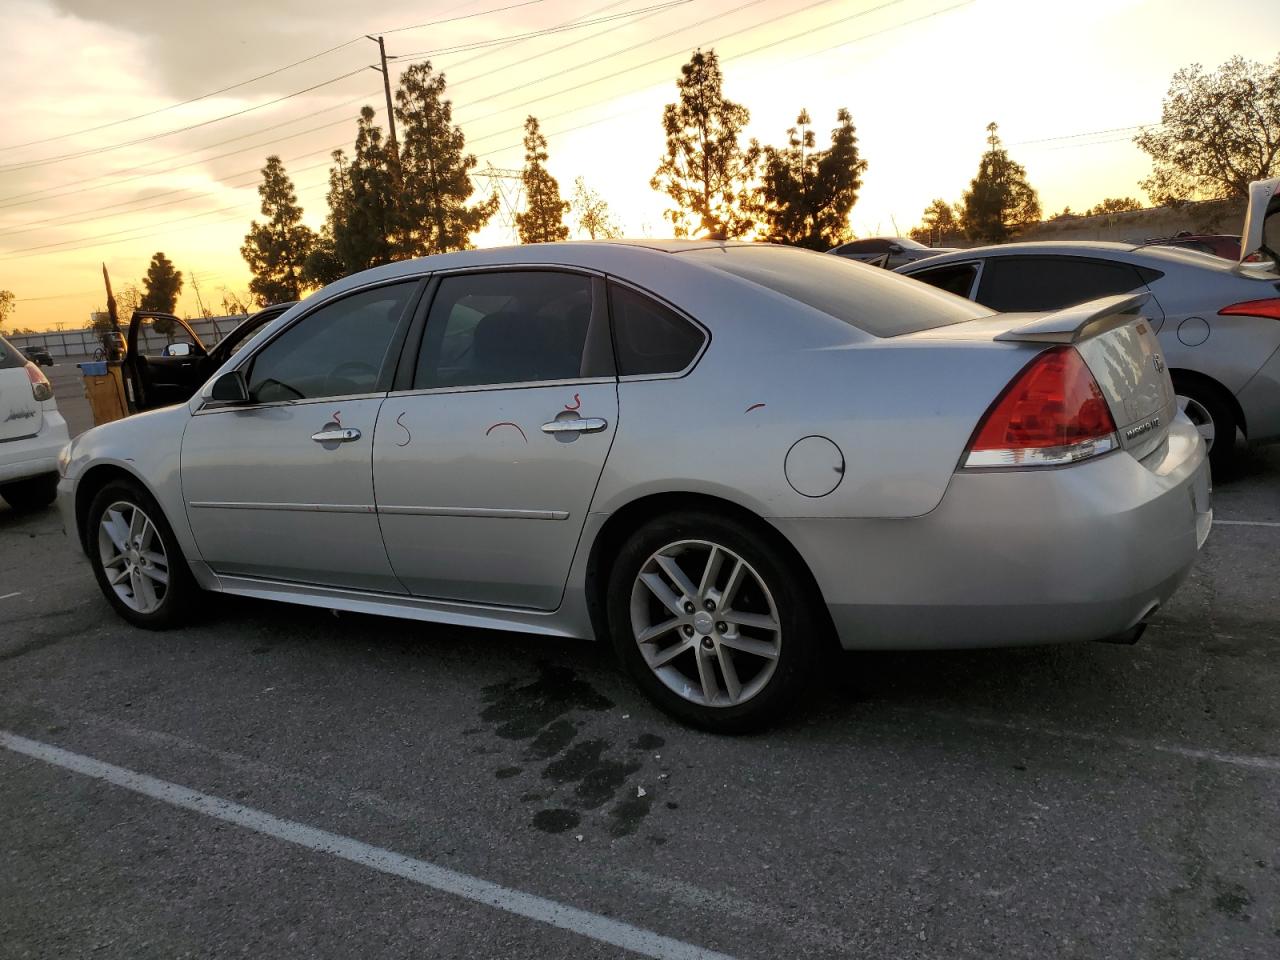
(261, 76)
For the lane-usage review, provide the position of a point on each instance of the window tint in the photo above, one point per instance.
(339, 350)
(518, 327)
(879, 302)
(866, 246)
(649, 338)
(1014, 284)
(953, 278)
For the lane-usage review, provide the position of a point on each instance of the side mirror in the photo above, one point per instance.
(178, 350)
(230, 388)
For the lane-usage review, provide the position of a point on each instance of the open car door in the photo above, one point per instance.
(1261, 234)
(170, 376)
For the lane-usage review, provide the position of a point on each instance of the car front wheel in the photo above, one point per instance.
(712, 622)
(136, 558)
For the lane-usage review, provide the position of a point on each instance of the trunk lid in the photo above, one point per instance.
(1261, 233)
(21, 415)
(1117, 342)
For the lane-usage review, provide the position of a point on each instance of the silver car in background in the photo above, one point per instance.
(722, 456)
(1218, 321)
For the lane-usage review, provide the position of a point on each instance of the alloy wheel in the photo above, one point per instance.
(706, 623)
(1199, 415)
(133, 557)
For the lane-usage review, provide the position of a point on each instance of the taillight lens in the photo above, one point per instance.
(41, 389)
(1052, 413)
(1253, 308)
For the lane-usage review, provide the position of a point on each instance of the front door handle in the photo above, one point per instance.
(337, 435)
(576, 425)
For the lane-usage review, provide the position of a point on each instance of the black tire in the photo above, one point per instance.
(1208, 401)
(33, 493)
(180, 595)
(801, 639)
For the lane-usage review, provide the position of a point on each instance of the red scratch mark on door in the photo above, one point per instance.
(576, 405)
(507, 423)
(408, 437)
(754, 406)
(337, 417)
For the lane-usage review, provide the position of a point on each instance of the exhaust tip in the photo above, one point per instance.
(1133, 634)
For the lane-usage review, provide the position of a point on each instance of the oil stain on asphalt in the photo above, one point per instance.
(544, 714)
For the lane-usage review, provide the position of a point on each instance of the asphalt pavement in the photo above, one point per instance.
(278, 781)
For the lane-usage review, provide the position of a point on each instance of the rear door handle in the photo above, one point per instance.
(577, 425)
(337, 435)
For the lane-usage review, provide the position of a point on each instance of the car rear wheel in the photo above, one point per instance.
(1213, 418)
(32, 493)
(712, 622)
(136, 558)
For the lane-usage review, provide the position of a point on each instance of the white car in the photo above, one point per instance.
(32, 432)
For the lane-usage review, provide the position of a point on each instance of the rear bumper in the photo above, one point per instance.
(1018, 557)
(1259, 401)
(20, 459)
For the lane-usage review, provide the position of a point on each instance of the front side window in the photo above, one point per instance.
(953, 278)
(1022, 284)
(338, 350)
(649, 338)
(505, 327)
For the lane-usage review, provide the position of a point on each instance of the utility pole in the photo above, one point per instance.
(386, 88)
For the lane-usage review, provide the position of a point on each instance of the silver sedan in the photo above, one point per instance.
(1218, 321)
(724, 457)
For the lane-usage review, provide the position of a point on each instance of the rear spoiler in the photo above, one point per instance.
(1080, 322)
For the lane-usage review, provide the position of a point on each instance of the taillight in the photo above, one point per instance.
(1052, 413)
(41, 389)
(1253, 308)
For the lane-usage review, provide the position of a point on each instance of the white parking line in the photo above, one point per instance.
(1246, 523)
(582, 922)
(1250, 761)
(16, 593)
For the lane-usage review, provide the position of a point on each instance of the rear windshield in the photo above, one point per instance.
(874, 300)
(9, 356)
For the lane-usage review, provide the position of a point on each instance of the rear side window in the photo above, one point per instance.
(497, 327)
(9, 356)
(956, 278)
(649, 338)
(879, 302)
(1017, 284)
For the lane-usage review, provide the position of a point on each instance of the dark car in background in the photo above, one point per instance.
(888, 252)
(184, 363)
(40, 355)
(1220, 245)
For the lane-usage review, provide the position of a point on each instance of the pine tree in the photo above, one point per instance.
(705, 171)
(543, 218)
(435, 169)
(324, 263)
(591, 211)
(277, 250)
(999, 200)
(805, 193)
(939, 225)
(161, 286)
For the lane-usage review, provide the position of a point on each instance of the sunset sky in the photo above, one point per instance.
(1068, 83)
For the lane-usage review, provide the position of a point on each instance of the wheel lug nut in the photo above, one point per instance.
(709, 604)
(707, 643)
(688, 630)
(688, 607)
(722, 627)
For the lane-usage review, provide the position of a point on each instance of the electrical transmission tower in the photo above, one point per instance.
(508, 187)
